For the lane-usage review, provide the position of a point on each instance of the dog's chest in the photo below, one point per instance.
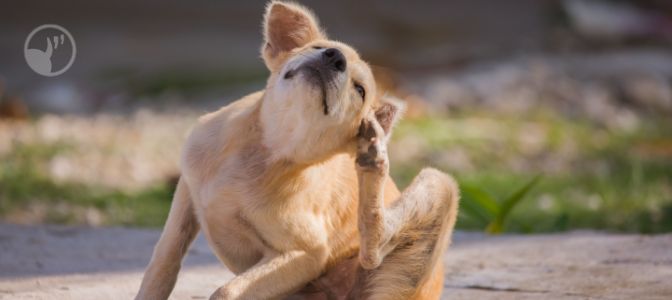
(301, 216)
(244, 220)
(289, 225)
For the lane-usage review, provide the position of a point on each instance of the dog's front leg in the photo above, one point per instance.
(275, 276)
(372, 170)
(180, 230)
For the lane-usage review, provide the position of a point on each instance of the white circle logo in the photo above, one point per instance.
(50, 50)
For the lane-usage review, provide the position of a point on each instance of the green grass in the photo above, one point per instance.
(24, 186)
(592, 177)
(606, 180)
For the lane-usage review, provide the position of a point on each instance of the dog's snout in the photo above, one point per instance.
(334, 58)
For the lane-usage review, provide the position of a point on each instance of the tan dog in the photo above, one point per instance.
(290, 184)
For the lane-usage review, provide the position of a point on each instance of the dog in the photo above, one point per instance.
(290, 185)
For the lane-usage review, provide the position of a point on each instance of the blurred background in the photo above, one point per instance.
(553, 115)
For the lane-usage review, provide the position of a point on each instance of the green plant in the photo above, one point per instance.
(488, 210)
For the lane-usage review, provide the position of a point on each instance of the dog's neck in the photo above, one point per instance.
(280, 178)
(271, 159)
(291, 136)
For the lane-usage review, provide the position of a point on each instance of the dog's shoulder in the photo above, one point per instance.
(220, 133)
(222, 120)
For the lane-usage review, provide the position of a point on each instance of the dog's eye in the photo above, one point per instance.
(318, 47)
(360, 90)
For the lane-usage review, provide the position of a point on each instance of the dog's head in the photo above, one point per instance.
(319, 90)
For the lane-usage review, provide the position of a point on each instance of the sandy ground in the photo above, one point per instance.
(54, 262)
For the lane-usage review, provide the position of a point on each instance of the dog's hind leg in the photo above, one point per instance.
(178, 234)
(418, 227)
(401, 246)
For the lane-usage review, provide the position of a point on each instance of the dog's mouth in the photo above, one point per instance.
(321, 78)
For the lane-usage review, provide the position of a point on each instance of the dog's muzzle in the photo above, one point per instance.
(327, 65)
(321, 71)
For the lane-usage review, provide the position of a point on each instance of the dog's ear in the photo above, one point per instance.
(287, 26)
(386, 113)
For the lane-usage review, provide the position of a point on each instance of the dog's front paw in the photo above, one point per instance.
(371, 147)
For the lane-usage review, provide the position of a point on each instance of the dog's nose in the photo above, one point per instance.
(334, 58)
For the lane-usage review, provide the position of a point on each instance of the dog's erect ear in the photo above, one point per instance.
(287, 26)
(388, 112)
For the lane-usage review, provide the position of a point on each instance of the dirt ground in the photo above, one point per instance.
(56, 262)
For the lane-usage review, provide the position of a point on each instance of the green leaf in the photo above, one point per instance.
(482, 198)
(497, 225)
(471, 208)
(494, 227)
(561, 222)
